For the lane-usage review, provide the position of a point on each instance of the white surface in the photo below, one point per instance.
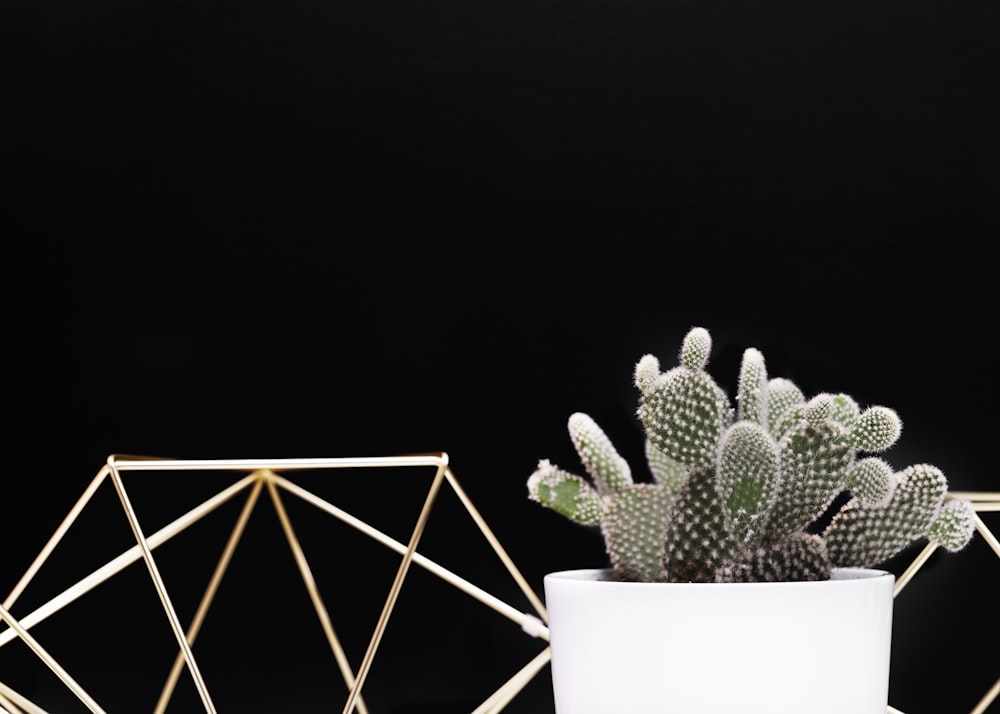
(734, 648)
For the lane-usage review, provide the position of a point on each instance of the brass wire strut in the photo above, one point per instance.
(261, 474)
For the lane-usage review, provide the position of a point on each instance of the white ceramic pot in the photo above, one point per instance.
(735, 648)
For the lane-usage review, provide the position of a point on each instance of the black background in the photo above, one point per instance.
(337, 229)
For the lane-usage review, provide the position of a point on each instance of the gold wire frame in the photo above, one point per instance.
(260, 474)
(981, 501)
(267, 473)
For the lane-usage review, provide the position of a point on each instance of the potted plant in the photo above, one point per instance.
(745, 572)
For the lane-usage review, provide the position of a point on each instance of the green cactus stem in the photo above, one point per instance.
(697, 541)
(800, 556)
(666, 472)
(565, 493)
(683, 410)
(751, 394)
(608, 471)
(863, 536)
(784, 400)
(631, 515)
(747, 480)
(634, 530)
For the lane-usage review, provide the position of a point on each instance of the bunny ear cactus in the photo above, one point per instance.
(632, 516)
(860, 534)
(683, 410)
(737, 494)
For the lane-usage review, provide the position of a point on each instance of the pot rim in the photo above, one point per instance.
(602, 577)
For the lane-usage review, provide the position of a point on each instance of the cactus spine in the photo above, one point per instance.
(737, 494)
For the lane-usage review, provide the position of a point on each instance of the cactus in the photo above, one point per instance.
(745, 494)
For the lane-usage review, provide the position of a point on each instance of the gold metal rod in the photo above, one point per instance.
(8, 707)
(397, 584)
(18, 703)
(497, 548)
(918, 563)
(126, 464)
(310, 582)
(50, 662)
(502, 697)
(991, 695)
(465, 586)
(161, 590)
(56, 538)
(125, 559)
(975, 495)
(209, 596)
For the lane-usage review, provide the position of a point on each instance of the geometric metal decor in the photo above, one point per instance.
(982, 501)
(252, 478)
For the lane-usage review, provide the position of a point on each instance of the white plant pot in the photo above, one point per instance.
(711, 648)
